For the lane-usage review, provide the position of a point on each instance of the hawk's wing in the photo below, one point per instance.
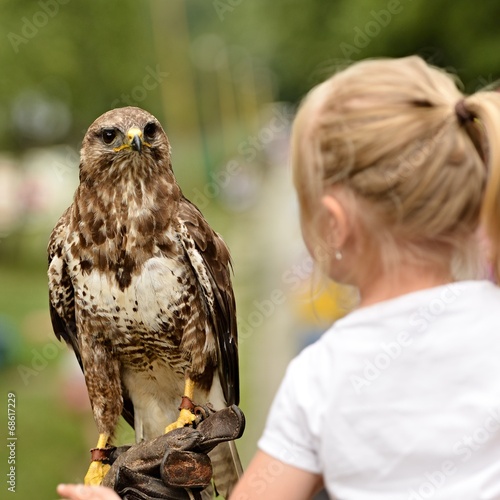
(217, 262)
(61, 293)
(62, 299)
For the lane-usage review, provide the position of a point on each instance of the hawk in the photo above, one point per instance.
(140, 289)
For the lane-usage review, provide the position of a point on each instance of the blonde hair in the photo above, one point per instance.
(418, 163)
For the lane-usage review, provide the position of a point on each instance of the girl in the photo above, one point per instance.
(395, 171)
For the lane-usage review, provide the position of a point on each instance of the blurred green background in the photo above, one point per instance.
(224, 77)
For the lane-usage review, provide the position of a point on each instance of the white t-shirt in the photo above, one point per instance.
(399, 400)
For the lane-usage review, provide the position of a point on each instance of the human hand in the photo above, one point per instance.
(81, 492)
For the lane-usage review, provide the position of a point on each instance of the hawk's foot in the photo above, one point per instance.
(98, 469)
(186, 417)
(96, 473)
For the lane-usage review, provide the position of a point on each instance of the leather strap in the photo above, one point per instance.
(100, 454)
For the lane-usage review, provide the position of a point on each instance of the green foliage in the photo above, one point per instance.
(303, 42)
(85, 56)
(82, 54)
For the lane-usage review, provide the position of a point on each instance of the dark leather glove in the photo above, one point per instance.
(174, 466)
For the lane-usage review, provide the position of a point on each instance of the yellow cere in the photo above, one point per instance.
(133, 132)
(130, 135)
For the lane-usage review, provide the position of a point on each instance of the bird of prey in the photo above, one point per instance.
(140, 288)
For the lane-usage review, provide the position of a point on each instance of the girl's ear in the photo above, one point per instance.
(338, 225)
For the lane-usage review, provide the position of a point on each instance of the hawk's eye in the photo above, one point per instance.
(150, 131)
(108, 135)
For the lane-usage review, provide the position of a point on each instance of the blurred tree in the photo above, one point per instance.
(66, 62)
(304, 42)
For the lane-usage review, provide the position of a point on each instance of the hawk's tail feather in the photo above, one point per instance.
(236, 459)
(226, 466)
(208, 493)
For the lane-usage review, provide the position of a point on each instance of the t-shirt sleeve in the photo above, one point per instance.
(287, 435)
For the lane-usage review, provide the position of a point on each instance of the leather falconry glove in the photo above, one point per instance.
(174, 466)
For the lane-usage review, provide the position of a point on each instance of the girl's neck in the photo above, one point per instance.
(402, 280)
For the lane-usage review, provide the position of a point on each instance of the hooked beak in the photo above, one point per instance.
(135, 139)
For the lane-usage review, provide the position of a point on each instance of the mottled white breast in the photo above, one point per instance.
(146, 305)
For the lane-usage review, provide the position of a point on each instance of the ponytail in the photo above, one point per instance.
(485, 107)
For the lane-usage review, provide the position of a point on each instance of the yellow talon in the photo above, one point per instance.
(186, 417)
(96, 473)
(97, 469)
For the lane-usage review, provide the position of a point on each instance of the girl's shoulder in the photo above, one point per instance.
(459, 312)
(471, 297)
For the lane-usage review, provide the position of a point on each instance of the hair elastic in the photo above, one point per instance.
(463, 114)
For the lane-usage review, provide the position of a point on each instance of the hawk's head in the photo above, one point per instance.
(124, 143)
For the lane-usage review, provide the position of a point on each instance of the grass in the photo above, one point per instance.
(49, 446)
(53, 438)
